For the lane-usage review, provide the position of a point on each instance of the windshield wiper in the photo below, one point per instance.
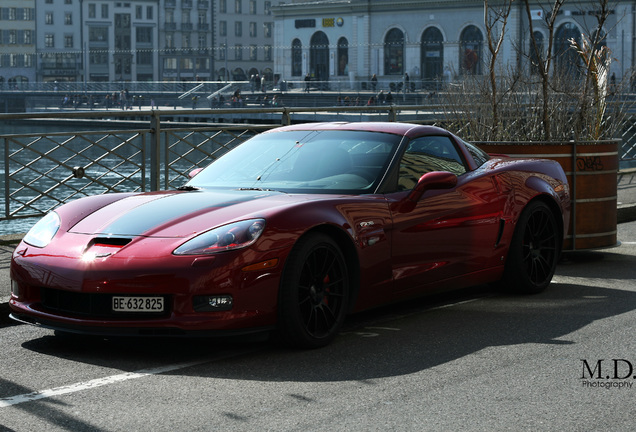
(256, 189)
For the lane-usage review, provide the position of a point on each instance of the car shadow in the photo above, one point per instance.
(396, 340)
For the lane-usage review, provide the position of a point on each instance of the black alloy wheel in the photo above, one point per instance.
(314, 293)
(534, 251)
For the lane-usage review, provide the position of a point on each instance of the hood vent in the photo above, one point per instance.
(111, 241)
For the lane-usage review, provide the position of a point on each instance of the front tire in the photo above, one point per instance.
(314, 293)
(534, 251)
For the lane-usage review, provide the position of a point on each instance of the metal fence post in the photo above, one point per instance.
(7, 178)
(155, 151)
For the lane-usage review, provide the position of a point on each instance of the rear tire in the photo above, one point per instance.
(534, 251)
(314, 292)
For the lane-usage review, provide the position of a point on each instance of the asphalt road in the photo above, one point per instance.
(475, 360)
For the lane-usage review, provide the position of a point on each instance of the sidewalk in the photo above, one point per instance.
(626, 213)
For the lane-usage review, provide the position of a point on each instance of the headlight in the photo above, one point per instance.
(43, 231)
(228, 237)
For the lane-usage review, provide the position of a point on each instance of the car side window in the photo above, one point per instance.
(426, 154)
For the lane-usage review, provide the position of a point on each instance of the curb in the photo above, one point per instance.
(626, 213)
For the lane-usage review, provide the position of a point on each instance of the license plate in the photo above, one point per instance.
(137, 304)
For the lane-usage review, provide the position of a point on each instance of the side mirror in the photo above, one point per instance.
(432, 180)
(194, 172)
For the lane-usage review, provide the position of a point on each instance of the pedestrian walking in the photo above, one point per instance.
(374, 82)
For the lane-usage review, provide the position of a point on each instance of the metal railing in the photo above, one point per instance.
(152, 150)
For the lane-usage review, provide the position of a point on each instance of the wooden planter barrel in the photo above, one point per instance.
(592, 172)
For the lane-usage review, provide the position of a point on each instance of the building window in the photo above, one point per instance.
(238, 28)
(253, 52)
(319, 56)
(68, 18)
(432, 54)
(343, 56)
(98, 34)
(170, 63)
(68, 41)
(150, 12)
(222, 6)
(104, 11)
(187, 64)
(139, 12)
(567, 60)
(203, 17)
(169, 40)
(238, 52)
(253, 7)
(470, 50)
(394, 52)
(202, 40)
(238, 6)
(91, 10)
(98, 58)
(536, 52)
(268, 6)
(222, 28)
(297, 58)
(267, 52)
(144, 58)
(221, 52)
(28, 37)
(68, 1)
(13, 37)
(48, 17)
(49, 40)
(185, 41)
(144, 34)
(252, 29)
(203, 63)
(28, 14)
(267, 29)
(169, 16)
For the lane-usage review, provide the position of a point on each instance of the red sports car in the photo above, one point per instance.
(292, 230)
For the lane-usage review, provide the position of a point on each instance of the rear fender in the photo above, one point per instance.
(553, 193)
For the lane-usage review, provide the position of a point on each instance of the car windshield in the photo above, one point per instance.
(304, 161)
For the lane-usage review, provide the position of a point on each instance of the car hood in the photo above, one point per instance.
(178, 213)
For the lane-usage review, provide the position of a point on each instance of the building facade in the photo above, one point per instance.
(120, 40)
(17, 42)
(59, 41)
(186, 40)
(431, 40)
(244, 39)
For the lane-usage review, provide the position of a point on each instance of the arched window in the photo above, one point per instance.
(238, 74)
(297, 58)
(343, 56)
(268, 74)
(534, 57)
(432, 54)
(470, 50)
(319, 56)
(567, 59)
(394, 52)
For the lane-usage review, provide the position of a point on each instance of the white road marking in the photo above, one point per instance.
(98, 382)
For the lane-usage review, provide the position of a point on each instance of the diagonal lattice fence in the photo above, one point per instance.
(44, 170)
